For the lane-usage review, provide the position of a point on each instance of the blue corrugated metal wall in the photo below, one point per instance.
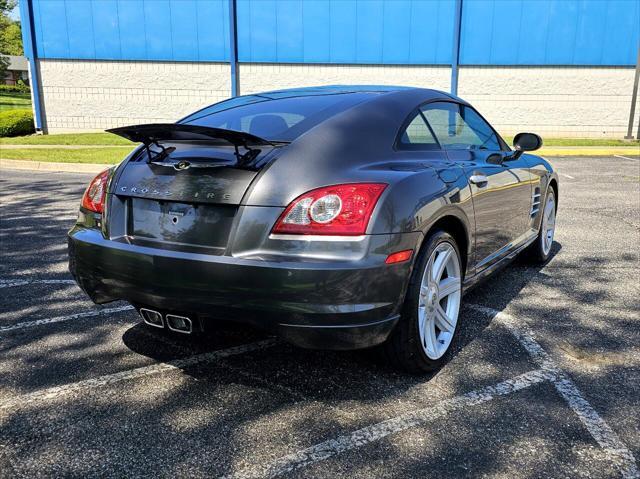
(180, 30)
(345, 31)
(494, 32)
(550, 32)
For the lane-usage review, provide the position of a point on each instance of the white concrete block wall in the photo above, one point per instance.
(256, 77)
(552, 101)
(83, 95)
(583, 102)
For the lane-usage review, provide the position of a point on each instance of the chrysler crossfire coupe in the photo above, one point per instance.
(337, 217)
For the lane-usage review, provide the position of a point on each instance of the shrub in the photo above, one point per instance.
(16, 123)
(19, 88)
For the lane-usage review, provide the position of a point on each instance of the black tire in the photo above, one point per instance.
(403, 349)
(536, 253)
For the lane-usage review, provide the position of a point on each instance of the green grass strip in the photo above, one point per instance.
(13, 101)
(67, 139)
(581, 142)
(80, 155)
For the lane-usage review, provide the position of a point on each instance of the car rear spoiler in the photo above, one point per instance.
(155, 132)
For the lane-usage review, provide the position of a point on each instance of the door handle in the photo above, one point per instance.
(479, 179)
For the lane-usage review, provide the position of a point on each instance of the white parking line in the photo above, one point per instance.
(10, 283)
(178, 364)
(236, 369)
(59, 319)
(616, 451)
(625, 158)
(375, 432)
(566, 176)
(613, 447)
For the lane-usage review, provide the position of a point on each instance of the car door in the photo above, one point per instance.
(501, 188)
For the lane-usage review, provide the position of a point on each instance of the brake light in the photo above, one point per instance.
(331, 210)
(93, 198)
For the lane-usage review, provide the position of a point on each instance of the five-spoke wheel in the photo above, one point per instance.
(439, 300)
(548, 223)
(540, 250)
(429, 319)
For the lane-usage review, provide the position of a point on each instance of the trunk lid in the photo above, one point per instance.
(191, 163)
(183, 188)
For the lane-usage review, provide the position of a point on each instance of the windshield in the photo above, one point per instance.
(274, 117)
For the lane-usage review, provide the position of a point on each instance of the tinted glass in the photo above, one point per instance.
(417, 135)
(459, 127)
(275, 119)
(481, 128)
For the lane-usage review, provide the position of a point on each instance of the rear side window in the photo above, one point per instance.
(278, 118)
(417, 135)
(458, 127)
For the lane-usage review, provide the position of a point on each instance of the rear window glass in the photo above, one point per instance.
(282, 119)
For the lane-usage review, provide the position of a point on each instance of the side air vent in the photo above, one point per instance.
(535, 202)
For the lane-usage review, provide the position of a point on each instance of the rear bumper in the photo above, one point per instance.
(329, 304)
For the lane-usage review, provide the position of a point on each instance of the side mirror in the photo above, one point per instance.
(525, 142)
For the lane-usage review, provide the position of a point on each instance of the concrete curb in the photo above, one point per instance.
(52, 166)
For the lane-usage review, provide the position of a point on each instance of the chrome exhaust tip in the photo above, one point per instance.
(152, 318)
(179, 324)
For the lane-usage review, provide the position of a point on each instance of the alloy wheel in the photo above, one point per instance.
(439, 300)
(548, 224)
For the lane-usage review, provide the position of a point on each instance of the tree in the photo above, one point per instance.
(4, 63)
(7, 5)
(10, 32)
(11, 39)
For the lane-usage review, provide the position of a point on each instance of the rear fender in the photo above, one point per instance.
(424, 198)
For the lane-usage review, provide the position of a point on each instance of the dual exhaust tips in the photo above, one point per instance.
(179, 324)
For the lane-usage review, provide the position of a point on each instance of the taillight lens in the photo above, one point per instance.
(93, 198)
(331, 210)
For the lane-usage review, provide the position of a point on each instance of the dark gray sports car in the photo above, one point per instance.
(339, 217)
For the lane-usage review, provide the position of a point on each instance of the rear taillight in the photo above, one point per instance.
(331, 210)
(93, 198)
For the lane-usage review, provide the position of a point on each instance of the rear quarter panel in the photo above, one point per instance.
(432, 188)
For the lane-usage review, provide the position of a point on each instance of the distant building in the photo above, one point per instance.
(555, 67)
(18, 69)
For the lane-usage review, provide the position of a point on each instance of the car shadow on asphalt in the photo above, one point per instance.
(301, 396)
(360, 380)
(360, 367)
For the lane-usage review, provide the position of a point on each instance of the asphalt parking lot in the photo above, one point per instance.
(544, 383)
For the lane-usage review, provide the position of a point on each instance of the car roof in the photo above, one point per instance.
(390, 104)
(346, 89)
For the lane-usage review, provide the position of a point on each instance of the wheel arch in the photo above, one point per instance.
(553, 183)
(458, 229)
